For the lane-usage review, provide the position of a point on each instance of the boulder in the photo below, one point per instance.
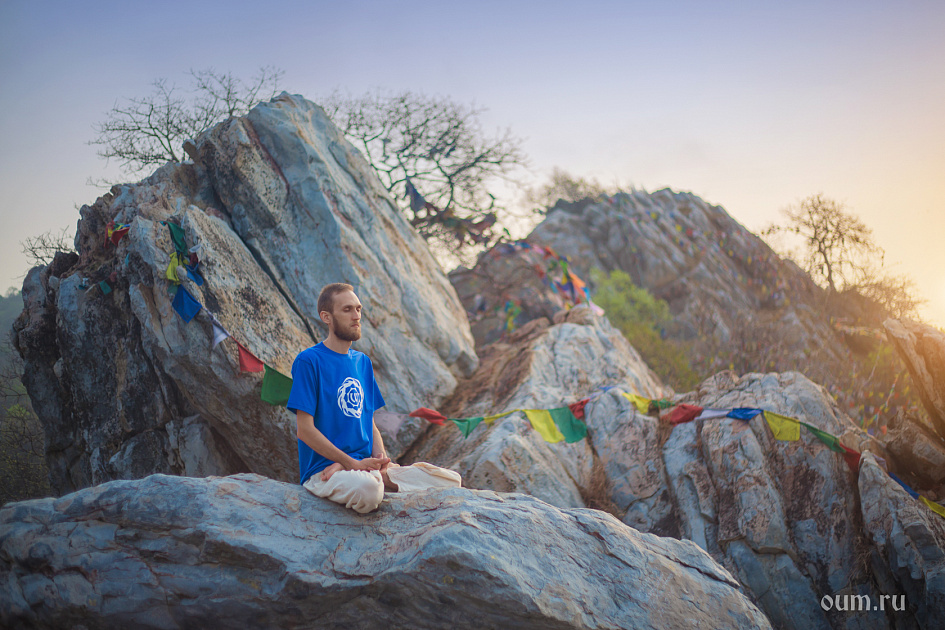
(922, 348)
(538, 367)
(245, 551)
(908, 547)
(280, 204)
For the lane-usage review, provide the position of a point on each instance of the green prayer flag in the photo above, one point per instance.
(542, 422)
(831, 441)
(178, 236)
(104, 287)
(466, 425)
(571, 428)
(662, 403)
(275, 387)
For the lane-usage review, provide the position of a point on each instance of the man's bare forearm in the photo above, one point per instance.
(317, 441)
(379, 450)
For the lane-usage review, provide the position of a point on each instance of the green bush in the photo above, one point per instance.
(640, 317)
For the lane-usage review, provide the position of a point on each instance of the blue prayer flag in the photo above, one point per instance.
(185, 305)
(743, 413)
(912, 493)
(195, 275)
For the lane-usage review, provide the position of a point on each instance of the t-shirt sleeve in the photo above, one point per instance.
(304, 394)
(378, 399)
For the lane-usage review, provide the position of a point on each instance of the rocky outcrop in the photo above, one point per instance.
(734, 302)
(280, 205)
(784, 518)
(922, 348)
(541, 367)
(244, 551)
(714, 273)
(908, 553)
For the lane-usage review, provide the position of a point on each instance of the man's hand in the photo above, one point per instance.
(370, 463)
(331, 470)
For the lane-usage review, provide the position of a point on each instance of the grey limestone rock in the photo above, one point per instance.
(245, 551)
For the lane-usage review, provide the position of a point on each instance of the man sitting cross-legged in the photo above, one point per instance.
(334, 397)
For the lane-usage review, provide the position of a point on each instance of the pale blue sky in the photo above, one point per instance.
(751, 105)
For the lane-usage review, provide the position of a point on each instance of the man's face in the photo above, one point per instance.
(345, 318)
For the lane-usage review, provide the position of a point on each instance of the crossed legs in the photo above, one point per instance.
(363, 491)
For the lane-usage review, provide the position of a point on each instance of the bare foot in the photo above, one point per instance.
(389, 485)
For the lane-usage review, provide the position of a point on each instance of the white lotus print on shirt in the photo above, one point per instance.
(351, 397)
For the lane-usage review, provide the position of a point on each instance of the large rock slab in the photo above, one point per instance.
(280, 205)
(244, 551)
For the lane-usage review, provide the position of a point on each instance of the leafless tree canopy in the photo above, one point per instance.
(838, 246)
(839, 252)
(440, 145)
(40, 250)
(566, 187)
(150, 130)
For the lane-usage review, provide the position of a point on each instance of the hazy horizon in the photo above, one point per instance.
(751, 108)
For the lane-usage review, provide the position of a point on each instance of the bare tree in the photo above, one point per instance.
(896, 296)
(40, 250)
(838, 246)
(150, 130)
(221, 96)
(440, 147)
(566, 187)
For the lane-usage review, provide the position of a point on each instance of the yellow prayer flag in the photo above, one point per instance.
(490, 419)
(642, 404)
(935, 507)
(783, 428)
(542, 422)
(172, 268)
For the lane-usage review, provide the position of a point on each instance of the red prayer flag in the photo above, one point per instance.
(248, 361)
(851, 457)
(682, 413)
(578, 408)
(117, 235)
(430, 415)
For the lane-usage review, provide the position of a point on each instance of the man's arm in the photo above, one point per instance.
(379, 450)
(317, 441)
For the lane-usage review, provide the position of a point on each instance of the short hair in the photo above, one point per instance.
(326, 299)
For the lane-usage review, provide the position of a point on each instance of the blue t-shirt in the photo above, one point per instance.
(339, 391)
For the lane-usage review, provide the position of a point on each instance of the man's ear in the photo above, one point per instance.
(326, 317)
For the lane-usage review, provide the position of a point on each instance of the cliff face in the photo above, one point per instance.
(279, 205)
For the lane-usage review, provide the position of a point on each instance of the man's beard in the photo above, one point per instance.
(352, 334)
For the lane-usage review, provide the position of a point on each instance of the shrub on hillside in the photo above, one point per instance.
(641, 318)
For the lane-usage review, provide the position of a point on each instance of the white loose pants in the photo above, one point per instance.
(362, 490)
